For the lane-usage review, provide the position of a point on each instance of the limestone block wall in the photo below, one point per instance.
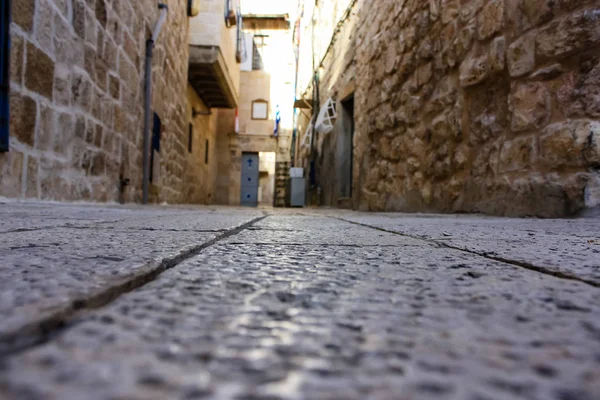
(77, 99)
(201, 162)
(256, 86)
(476, 105)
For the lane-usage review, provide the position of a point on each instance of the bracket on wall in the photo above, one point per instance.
(193, 8)
(196, 113)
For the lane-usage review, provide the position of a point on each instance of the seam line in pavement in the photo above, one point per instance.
(516, 263)
(358, 246)
(50, 325)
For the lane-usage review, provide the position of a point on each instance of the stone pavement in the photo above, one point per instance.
(183, 303)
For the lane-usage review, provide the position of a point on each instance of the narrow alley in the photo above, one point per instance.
(110, 302)
(300, 199)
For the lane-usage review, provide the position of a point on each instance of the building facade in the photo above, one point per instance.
(77, 91)
(76, 97)
(452, 106)
(263, 126)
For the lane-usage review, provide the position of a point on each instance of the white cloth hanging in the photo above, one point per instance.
(327, 117)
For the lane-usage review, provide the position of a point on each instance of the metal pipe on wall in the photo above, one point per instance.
(148, 99)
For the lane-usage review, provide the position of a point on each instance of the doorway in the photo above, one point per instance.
(249, 180)
(345, 146)
(266, 181)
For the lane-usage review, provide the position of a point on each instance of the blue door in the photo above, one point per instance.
(250, 173)
(4, 74)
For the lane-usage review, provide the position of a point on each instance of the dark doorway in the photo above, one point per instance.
(155, 151)
(346, 139)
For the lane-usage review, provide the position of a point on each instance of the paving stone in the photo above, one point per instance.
(298, 230)
(52, 256)
(563, 246)
(251, 321)
(299, 305)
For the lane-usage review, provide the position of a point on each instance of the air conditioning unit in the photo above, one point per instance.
(327, 117)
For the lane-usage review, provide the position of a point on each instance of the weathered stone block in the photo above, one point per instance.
(22, 118)
(488, 112)
(426, 49)
(80, 131)
(90, 131)
(445, 126)
(31, 180)
(22, 13)
(573, 143)
(530, 106)
(569, 35)
(521, 55)
(549, 72)
(114, 87)
(391, 58)
(491, 19)
(81, 91)
(517, 154)
(43, 25)
(11, 171)
(101, 14)
(469, 10)
(497, 54)
(588, 91)
(536, 12)
(101, 73)
(63, 6)
(39, 72)
(131, 49)
(65, 130)
(79, 18)
(450, 10)
(465, 41)
(91, 30)
(434, 10)
(16, 59)
(98, 135)
(592, 191)
(567, 96)
(424, 73)
(474, 71)
(62, 87)
(45, 129)
(422, 23)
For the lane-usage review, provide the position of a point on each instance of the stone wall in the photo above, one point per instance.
(475, 105)
(201, 168)
(77, 99)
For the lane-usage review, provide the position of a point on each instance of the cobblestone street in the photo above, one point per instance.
(110, 302)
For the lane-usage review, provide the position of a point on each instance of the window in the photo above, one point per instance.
(190, 137)
(260, 109)
(257, 50)
(4, 74)
(206, 153)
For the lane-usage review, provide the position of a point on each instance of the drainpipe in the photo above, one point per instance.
(148, 98)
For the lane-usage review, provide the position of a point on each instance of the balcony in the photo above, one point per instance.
(213, 68)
